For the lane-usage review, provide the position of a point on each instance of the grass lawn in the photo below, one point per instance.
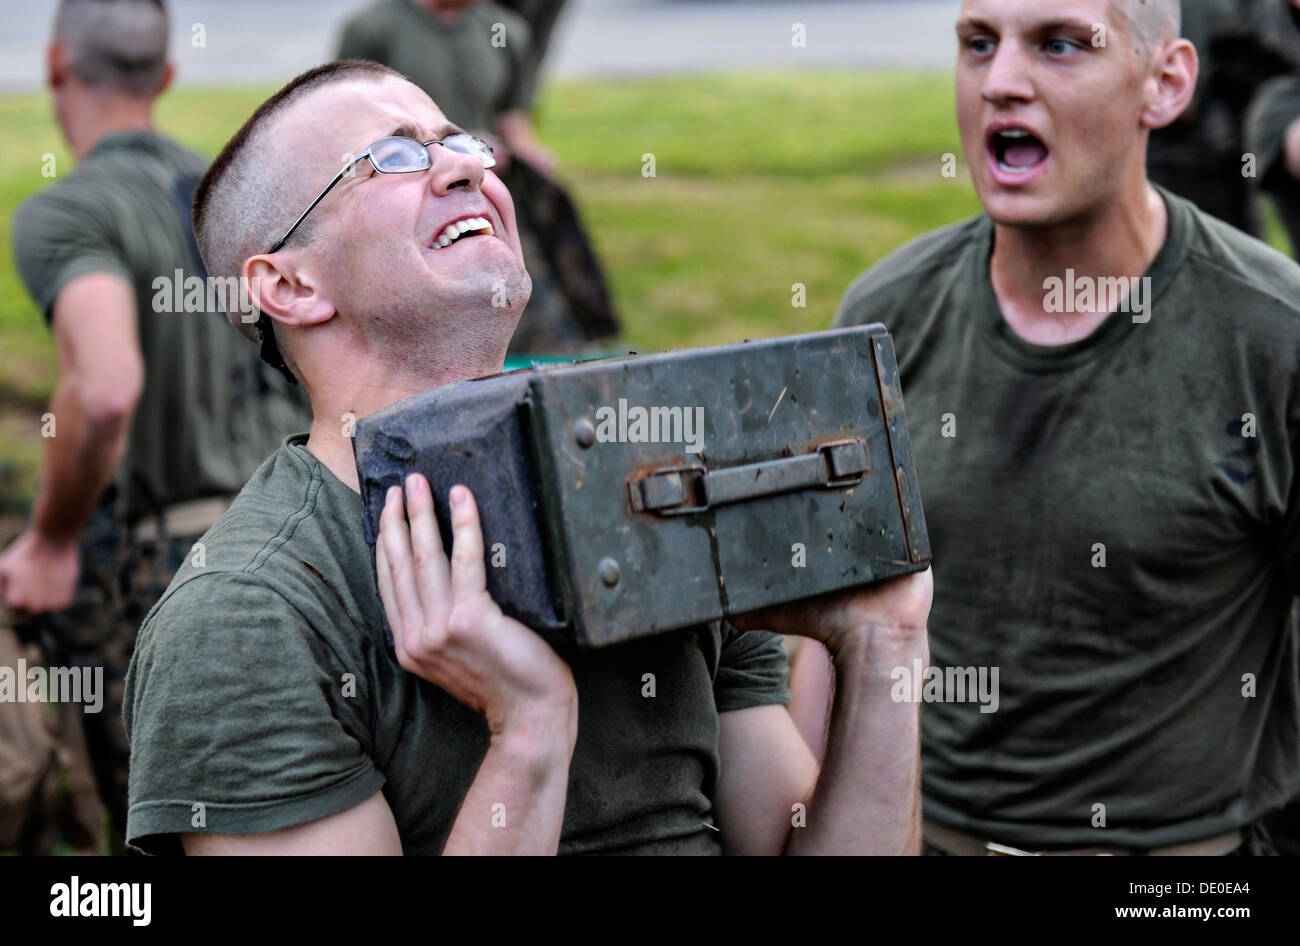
(762, 180)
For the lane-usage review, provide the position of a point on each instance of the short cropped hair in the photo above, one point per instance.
(1153, 21)
(118, 44)
(230, 222)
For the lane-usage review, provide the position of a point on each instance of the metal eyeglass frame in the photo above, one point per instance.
(270, 351)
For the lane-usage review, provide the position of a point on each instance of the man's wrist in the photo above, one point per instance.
(872, 652)
(538, 742)
(53, 544)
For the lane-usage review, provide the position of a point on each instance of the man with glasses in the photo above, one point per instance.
(159, 416)
(265, 709)
(479, 62)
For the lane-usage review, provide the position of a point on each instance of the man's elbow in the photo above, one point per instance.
(108, 405)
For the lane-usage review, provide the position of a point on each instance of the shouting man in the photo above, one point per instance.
(1103, 388)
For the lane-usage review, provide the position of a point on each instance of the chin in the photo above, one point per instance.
(1022, 210)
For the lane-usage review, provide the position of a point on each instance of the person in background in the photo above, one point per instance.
(541, 17)
(1273, 136)
(159, 417)
(1202, 155)
(478, 61)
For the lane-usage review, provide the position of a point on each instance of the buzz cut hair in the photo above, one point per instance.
(1153, 21)
(245, 200)
(116, 44)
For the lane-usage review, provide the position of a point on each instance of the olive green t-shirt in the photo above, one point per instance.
(262, 690)
(211, 411)
(1113, 534)
(475, 69)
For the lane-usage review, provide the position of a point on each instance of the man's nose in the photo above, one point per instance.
(1007, 78)
(452, 169)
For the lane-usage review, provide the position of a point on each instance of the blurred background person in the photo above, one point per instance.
(1273, 136)
(159, 417)
(541, 17)
(478, 61)
(1241, 45)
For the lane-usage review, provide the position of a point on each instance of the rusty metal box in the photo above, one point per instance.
(629, 496)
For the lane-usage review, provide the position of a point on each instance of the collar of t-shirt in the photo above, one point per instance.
(1111, 332)
(134, 139)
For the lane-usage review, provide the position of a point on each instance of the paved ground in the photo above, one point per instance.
(268, 40)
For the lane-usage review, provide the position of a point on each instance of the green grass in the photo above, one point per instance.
(763, 180)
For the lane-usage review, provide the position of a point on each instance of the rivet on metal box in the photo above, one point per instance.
(630, 496)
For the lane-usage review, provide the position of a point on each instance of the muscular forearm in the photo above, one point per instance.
(516, 803)
(867, 798)
(89, 440)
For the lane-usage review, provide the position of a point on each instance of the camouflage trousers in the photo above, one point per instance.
(121, 579)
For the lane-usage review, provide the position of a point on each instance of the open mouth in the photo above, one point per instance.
(1017, 151)
(458, 230)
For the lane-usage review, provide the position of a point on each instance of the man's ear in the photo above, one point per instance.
(169, 73)
(285, 293)
(1171, 87)
(56, 68)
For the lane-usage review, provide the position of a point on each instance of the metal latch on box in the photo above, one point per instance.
(691, 488)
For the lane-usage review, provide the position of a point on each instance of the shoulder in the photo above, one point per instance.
(256, 553)
(909, 269)
(366, 31)
(270, 578)
(1258, 277)
(516, 27)
(59, 206)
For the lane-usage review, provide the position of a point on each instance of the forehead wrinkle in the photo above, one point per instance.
(411, 130)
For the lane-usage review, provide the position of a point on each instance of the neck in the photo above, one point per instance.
(345, 396)
(96, 114)
(1119, 241)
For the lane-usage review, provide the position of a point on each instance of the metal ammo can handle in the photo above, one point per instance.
(690, 488)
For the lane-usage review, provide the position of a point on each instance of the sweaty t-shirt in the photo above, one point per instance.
(211, 410)
(475, 69)
(262, 691)
(1116, 527)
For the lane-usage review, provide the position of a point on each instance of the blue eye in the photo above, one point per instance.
(979, 46)
(1060, 47)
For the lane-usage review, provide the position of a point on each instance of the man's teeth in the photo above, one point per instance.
(454, 230)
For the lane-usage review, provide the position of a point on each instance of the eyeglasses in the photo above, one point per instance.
(393, 155)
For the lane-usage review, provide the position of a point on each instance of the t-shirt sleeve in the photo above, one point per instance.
(57, 240)
(240, 718)
(752, 670)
